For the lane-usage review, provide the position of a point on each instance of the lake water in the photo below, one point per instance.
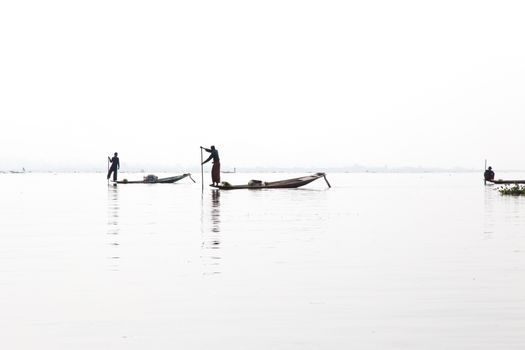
(379, 261)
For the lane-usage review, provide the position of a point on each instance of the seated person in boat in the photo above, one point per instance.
(489, 174)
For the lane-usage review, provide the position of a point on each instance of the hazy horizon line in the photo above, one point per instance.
(253, 169)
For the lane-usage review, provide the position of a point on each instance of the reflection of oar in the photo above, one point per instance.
(328, 183)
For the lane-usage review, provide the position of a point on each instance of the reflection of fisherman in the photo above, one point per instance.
(216, 169)
(489, 174)
(115, 165)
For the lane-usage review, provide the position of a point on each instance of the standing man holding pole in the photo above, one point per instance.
(216, 169)
(115, 165)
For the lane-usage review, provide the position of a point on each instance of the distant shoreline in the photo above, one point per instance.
(263, 171)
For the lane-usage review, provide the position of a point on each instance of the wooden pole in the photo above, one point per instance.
(327, 181)
(108, 171)
(202, 171)
(485, 181)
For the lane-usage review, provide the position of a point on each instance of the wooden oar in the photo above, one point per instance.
(328, 183)
(485, 181)
(202, 172)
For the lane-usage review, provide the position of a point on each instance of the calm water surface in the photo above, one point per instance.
(379, 261)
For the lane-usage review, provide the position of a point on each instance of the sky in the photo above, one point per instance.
(269, 83)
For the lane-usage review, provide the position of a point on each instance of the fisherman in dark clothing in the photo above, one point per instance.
(489, 174)
(115, 165)
(216, 169)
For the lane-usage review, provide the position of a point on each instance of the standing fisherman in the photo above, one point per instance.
(115, 165)
(216, 169)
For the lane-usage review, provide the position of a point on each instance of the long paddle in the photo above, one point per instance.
(108, 171)
(485, 181)
(202, 172)
(328, 183)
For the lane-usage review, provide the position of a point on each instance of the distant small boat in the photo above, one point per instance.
(259, 185)
(18, 172)
(506, 182)
(152, 179)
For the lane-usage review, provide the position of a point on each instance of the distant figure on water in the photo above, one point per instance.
(489, 174)
(216, 169)
(115, 165)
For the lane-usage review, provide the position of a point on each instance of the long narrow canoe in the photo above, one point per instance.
(259, 185)
(165, 180)
(506, 182)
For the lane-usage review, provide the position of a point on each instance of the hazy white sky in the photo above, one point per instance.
(270, 83)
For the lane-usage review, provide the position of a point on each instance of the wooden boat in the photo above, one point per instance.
(259, 185)
(152, 179)
(506, 182)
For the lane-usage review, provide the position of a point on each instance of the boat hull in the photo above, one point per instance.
(165, 180)
(506, 182)
(290, 183)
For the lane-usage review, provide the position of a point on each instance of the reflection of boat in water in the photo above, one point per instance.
(153, 179)
(289, 183)
(506, 182)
